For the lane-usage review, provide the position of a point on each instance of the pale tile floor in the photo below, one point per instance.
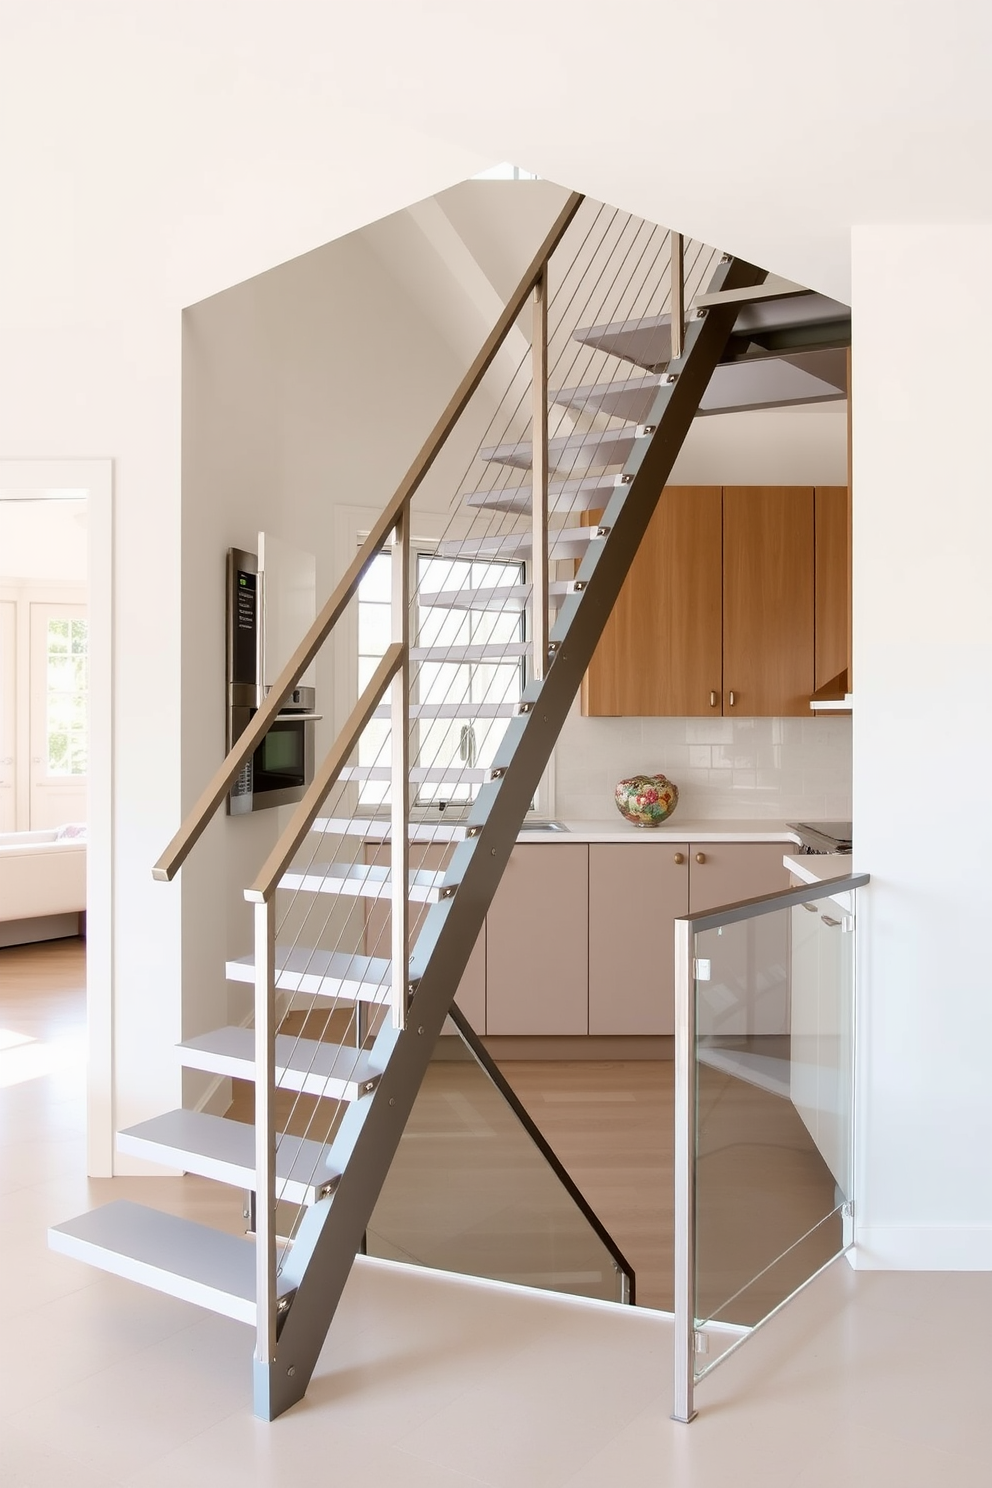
(429, 1381)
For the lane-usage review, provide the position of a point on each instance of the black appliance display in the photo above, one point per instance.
(281, 767)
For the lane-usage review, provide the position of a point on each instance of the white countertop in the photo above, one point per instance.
(816, 867)
(679, 829)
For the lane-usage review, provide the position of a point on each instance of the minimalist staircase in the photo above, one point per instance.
(352, 914)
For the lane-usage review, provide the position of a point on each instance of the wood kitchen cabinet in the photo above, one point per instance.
(722, 608)
(832, 583)
(767, 600)
(661, 654)
(537, 957)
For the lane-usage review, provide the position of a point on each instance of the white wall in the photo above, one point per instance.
(923, 718)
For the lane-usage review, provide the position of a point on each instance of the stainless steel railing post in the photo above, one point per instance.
(685, 1171)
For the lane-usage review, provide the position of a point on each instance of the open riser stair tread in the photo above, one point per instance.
(564, 497)
(469, 712)
(311, 1066)
(345, 976)
(563, 542)
(596, 448)
(364, 880)
(215, 1147)
(177, 1256)
(454, 774)
(796, 323)
(501, 651)
(378, 829)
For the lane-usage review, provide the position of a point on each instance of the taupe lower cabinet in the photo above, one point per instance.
(579, 938)
(537, 959)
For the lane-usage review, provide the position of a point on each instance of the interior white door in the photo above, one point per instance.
(59, 714)
(8, 715)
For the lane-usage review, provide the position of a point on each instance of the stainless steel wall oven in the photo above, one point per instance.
(281, 768)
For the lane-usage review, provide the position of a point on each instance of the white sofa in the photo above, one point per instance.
(42, 886)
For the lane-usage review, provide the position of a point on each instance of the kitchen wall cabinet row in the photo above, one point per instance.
(579, 936)
(737, 603)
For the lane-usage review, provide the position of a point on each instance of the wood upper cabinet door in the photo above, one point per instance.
(833, 595)
(537, 962)
(767, 600)
(660, 654)
(635, 892)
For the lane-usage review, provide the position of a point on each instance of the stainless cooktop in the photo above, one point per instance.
(823, 837)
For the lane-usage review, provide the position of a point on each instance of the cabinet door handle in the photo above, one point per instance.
(714, 699)
(700, 857)
(680, 857)
(732, 699)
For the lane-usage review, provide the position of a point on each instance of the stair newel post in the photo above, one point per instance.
(399, 789)
(539, 472)
(678, 296)
(265, 1131)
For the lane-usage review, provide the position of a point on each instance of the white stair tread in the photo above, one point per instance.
(453, 774)
(349, 977)
(484, 651)
(575, 495)
(598, 447)
(378, 829)
(216, 1147)
(335, 1071)
(766, 382)
(647, 342)
(176, 1256)
(630, 398)
(468, 712)
(365, 880)
(508, 598)
(563, 542)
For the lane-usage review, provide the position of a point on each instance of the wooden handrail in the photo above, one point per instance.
(284, 851)
(196, 821)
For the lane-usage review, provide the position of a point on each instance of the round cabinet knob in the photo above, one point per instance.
(700, 857)
(680, 857)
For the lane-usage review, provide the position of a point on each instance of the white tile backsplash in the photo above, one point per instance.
(779, 768)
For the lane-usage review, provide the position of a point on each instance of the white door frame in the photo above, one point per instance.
(93, 479)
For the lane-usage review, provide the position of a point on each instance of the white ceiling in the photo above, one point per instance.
(207, 141)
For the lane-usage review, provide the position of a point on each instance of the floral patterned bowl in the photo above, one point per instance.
(646, 800)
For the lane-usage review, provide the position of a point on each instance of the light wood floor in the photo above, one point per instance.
(467, 1193)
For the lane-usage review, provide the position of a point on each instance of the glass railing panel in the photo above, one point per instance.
(764, 1112)
(474, 1189)
(774, 1010)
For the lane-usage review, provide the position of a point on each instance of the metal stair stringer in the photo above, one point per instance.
(317, 1267)
(331, 1231)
